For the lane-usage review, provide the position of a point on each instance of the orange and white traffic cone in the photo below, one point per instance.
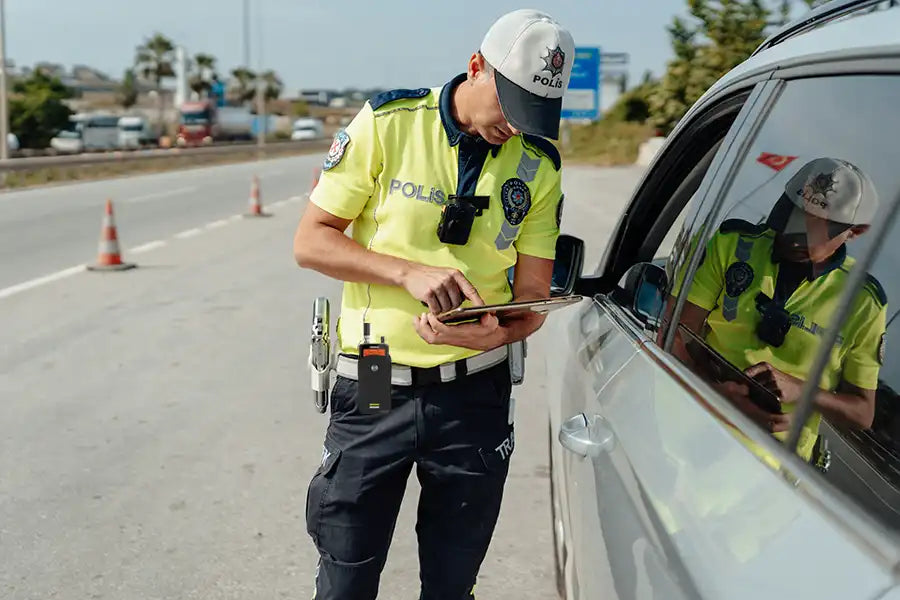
(256, 209)
(109, 258)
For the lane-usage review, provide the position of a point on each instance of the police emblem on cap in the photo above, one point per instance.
(881, 350)
(336, 152)
(516, 198)
(816, 188)
(554, 61)
(559, 211)
(738, 278)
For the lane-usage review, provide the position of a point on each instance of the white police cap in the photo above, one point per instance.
(532, 56)
(835, 190)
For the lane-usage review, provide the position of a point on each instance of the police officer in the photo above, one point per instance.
(765, 294)
(447, 188)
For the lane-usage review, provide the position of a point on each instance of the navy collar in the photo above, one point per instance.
(815, 271)
(451, 127)
(454, 133)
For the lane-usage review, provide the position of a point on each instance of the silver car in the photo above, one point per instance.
(663, 485)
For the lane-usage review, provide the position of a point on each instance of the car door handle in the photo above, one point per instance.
(587, 436)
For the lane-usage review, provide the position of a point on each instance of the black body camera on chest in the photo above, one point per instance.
(458, 216)
(775, 322)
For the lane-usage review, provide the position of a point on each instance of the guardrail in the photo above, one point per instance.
(121, 156)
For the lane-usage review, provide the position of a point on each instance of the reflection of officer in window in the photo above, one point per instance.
(765, 294)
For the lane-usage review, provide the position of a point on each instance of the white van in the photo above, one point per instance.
(307, 129)
(134, 132)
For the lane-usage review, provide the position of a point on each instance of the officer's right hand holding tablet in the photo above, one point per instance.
(439, 288)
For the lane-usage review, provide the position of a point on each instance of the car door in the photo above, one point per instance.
(668, 501)
(599, 525)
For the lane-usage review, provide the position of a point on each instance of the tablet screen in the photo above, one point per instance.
(719, 369)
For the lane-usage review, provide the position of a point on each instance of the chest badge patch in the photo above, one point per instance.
(738, 278)
(336, 152)
(516, 198)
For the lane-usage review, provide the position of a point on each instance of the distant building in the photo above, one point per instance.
(317, 97)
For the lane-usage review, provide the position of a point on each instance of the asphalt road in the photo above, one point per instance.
(48, 229)
(156, 430)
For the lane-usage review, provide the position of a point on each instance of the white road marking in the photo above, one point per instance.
(27, 285)
(189, 233)
(277, 204)
(156, 195)
(148, 246)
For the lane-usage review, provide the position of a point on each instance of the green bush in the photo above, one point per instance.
(36, 109)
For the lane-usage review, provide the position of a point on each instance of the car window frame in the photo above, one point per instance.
(675, 160)
(864, 528)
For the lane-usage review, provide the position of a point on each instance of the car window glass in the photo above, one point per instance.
(820, 170)
(665, 248)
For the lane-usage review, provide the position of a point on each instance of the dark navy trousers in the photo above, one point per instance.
(459, 435)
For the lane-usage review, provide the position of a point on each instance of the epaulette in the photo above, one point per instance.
(544, 147)
(873, 286)
(742, 226)
(383, 98)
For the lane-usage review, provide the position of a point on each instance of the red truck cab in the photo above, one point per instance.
(195, 123)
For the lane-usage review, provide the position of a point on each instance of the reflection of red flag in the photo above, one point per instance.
(775, 161)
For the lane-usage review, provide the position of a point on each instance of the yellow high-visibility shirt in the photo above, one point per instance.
(393, 169)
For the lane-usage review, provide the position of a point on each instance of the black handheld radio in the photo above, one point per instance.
(374, 375)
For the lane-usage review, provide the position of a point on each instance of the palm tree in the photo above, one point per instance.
(127, 92)
(153, 61)
(273, 84)
(243, 84)
(201, 78)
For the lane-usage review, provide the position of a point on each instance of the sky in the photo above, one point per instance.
(331, 44)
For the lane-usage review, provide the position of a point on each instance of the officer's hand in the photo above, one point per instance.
(787, 387)
(739, 395)
(440, 288)
(475, 336)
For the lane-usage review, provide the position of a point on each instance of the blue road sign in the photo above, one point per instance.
(218, 92)
(582, 99)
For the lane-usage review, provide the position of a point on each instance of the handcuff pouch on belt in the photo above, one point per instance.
(517, 352)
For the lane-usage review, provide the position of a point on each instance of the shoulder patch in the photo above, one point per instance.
(544, 147)
(383, 98)
(873, 286)
(742, 226)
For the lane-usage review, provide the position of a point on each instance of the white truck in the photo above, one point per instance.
(135, 132)
(86, 132)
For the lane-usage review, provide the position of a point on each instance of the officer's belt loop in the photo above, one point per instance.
(404, 375)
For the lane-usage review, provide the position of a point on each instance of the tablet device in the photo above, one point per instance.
(543, 305)
(719, 370)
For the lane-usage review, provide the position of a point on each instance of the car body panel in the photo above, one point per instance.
(664, 516)
(657, 514)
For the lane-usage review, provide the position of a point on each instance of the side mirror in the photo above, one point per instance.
(644, 291)
(567, 264)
